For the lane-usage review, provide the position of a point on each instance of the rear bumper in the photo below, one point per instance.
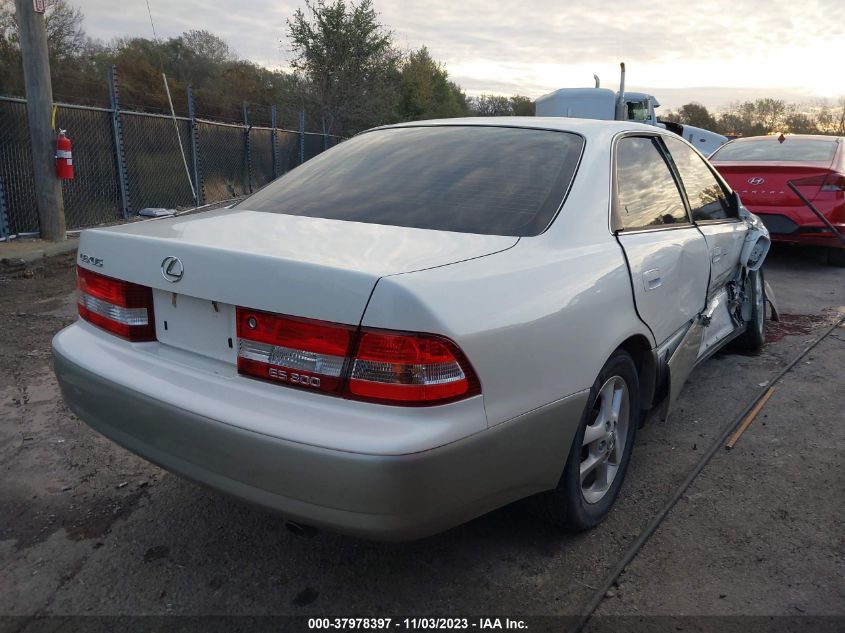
(784, 227)
(389, 497)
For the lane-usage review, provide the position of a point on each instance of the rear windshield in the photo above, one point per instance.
(769, 149)
(469, 179)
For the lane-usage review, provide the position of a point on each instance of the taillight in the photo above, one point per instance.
(397, 368)
(118, 306)
(410, 369)
(830, 182)
(834, 183)
(297, 352)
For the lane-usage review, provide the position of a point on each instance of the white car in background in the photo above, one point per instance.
(422, 324)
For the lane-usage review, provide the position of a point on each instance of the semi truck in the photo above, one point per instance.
(603, 103)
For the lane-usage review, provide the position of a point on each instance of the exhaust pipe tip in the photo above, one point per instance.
(620, 98)
(302, 531)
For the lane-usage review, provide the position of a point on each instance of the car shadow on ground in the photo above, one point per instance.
(796, 257)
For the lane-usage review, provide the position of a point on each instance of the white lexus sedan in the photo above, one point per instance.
(427, 322)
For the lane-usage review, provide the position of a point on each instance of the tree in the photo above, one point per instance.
(798, 122)
(63, 22)
(839, 118)
(771, 113)
(490, 105)
(671, 115)
(697, 115)
(348, 61)
(208, 47)
(741, 119)
(66, 41)
(11, 79)
(425, 91)
(522, 106)
(498, 105)
(65, 34)
(753, 118)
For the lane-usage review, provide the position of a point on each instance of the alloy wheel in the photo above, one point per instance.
(604, 440)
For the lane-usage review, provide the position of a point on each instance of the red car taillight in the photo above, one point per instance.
(297, 352)
(118, 306)
(378, 366)
(834, 183)
(410, 369)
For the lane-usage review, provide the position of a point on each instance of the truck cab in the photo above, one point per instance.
(640, 107)
(604, 104)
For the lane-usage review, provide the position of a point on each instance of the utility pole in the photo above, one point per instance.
(39, 108)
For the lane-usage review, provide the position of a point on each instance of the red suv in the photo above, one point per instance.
(759, 168)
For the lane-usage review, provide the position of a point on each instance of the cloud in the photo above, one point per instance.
(532, 46)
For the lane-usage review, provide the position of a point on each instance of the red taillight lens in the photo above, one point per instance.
(297, 352)
(831, 182)
(118, 306)
(410, 369)
(834, 183)
(397, 368)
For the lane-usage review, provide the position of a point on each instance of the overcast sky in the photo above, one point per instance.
(715, 52)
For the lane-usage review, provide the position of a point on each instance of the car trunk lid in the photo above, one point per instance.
(762, 185)
(299, 266)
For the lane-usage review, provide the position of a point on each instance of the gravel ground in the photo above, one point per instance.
(89, 529)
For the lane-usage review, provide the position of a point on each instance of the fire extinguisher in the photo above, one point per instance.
(64, 157)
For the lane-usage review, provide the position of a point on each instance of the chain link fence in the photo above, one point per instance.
(15, 161)
(125, 161)
(223, 160)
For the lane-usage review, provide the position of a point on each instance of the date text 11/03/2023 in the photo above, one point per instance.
(435, 624)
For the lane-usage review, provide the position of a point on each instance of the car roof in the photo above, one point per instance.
(585, 127)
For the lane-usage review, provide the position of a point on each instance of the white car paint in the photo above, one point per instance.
(319, 268)
(537, 317)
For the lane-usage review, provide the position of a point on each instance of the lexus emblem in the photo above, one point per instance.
(172, 269)
(756, 180)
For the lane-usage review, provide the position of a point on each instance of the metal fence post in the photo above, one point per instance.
(195, 158)
(325, 136)
(301, 136)
(119, 150)
(4, 217)
(247, 152)
(274, 142)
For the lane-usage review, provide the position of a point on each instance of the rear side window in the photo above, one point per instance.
(707, 198)
(769, 149)
(469, 179)
(647, 195)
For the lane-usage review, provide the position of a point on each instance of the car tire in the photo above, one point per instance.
(755, 330)
(580, 504)
(836, 257)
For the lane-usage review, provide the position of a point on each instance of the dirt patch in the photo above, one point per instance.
(31, 523)
(156, 553)
(798, 324)
(53, 473)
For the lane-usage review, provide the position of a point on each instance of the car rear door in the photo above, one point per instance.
(711, 211)
(667, 255)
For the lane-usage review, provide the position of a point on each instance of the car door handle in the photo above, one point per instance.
(652, 279)
(717, 254)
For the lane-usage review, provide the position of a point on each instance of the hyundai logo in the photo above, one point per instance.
(172, 269)
(756, 180)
